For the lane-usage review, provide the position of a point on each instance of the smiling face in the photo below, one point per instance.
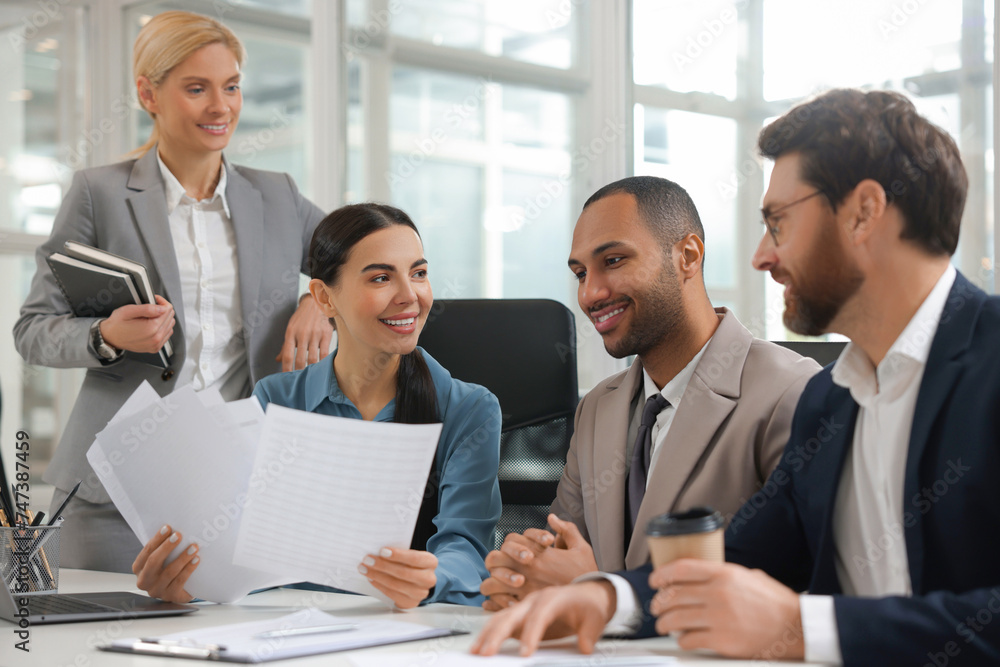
(627, 287)
(198, 104)
(382, 295)
(812, 260)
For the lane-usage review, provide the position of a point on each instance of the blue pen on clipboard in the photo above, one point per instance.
(312, 630)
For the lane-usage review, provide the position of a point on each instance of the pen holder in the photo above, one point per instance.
(29, 559)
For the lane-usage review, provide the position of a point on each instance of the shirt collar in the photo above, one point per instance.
(854, 369)
(176, 194)
(321, 384)
(673, 391)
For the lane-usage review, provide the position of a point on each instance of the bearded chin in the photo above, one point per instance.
(811, 315)
(800, 318)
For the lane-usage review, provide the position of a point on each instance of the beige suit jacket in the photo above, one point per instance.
(727, 435)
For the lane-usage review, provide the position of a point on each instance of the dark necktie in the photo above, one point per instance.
(641, 451)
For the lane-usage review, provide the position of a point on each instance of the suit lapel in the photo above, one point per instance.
(942, 371)
(148, 204)
(827, 467)
(610, 469)
(706, 404)
(247, 212)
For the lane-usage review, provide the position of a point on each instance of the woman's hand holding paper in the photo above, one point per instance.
(165, 582)
(405, 575)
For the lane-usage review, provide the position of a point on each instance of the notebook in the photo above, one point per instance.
(95, 283)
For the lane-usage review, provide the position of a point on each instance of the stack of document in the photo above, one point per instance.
(270, 499)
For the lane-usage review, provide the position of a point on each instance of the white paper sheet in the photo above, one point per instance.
(179, 462)
(143, 397)
(315, 508)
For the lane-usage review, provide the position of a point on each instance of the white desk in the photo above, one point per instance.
(72, 644)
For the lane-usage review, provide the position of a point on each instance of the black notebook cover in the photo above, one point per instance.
(94, 291)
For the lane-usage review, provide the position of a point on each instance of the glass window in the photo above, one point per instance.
(674, 145)
(425, 104)
(988, 11)
(42, 76)
(485, 171)
(537, 242)
(355, 164)
(299, 8)
(861, 42)
(445, 200)
(37, 400)
(535, 31)
(686, 46)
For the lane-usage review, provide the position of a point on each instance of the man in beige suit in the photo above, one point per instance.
(700, 418)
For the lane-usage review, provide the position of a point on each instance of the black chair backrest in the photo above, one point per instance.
(524, 351)
(824, 352)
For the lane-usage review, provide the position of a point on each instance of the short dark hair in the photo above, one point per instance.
(845, 136)
(665, 207)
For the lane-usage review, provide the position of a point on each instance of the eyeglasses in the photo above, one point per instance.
(767, 217)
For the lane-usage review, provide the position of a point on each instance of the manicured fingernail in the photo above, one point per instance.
(174, 537)
(362, 569)
(385, 553)
(192, 549)
(524, 554)
(163, 531)
(368, 560)
(195, 560)
(515, 578)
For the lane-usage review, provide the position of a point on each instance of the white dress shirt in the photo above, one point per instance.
(205, 245)
(868, 512)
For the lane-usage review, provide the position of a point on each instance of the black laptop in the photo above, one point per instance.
(63, 608)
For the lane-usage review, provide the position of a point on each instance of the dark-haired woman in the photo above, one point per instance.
(369, 275)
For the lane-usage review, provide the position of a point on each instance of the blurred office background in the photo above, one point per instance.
(490, 122)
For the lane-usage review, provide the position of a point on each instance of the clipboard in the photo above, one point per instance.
(241, 642)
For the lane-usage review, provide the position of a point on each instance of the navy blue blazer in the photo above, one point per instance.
(951, 512)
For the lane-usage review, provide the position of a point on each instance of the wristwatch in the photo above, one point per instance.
(104, 351)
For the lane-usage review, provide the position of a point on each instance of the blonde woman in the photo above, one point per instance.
(224, 246)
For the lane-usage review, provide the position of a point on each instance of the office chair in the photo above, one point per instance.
(824, 352)
(524, 351)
